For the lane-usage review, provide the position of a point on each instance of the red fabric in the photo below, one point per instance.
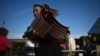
(4, 43)
(63, 46)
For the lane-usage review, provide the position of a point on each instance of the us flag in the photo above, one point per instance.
(47, 24)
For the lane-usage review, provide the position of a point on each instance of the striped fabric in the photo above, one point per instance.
(43, 25)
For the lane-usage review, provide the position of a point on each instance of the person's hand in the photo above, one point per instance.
(37, 33)
(36, 44)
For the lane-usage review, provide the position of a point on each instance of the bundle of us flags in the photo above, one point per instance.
(47, 24)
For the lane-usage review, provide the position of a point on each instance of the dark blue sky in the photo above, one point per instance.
(79, 15)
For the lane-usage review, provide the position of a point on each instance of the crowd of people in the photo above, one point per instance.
(44, 46)
(89, 44)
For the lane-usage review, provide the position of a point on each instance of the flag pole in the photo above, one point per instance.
(3, 24)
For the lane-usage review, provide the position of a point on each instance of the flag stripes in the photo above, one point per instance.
(44, 26)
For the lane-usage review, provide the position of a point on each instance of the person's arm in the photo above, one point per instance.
(29, 44)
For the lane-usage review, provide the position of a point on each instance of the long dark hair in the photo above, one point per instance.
(46, 9)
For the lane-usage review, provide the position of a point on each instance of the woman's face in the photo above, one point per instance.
(94, 38)
(37, 10)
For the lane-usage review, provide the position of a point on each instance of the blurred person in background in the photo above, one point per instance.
(5, 44)
(29, 47)
(70, 43)
(29, 44)
(84, 45)
(94, 40)
(94, 43)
